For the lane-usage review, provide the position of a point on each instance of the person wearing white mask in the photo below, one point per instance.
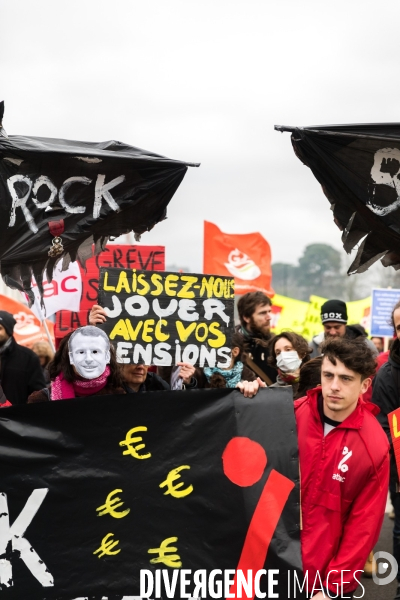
(288, 351)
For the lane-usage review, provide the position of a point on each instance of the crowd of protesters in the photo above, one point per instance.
(330, 379)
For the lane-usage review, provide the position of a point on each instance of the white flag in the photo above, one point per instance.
(63, 293)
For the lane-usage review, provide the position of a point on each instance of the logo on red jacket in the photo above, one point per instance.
(343, 466)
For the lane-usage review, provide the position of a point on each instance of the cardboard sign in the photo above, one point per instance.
(383, 301)
(166, 318)
(96, 492)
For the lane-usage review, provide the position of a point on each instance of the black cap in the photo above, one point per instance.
(334, 310)
(8, 321)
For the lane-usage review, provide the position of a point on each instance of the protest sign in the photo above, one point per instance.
(97, 491)
(383, 301)
(288, 313)
(63, 292)
(165, 318)
(114, 255)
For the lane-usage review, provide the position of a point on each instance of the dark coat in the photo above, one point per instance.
(152, 383)
(385, 394)
(20, 373)
(43, 395)
(257, 349)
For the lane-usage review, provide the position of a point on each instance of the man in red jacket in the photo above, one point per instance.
(344, 470)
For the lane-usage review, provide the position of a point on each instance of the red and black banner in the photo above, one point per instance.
(95, 491)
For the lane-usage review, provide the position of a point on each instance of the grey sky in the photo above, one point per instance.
(206, 82)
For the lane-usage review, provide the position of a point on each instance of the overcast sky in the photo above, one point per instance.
(206, 81)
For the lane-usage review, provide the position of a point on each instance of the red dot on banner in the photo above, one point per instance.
(244, 461)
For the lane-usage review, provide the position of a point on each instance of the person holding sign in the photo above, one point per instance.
(234, 373)
(179, 377)
(84, 365)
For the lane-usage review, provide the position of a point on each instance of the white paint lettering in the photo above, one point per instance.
(15, 535)
(67, 183)
(20, 202)
(103, 191)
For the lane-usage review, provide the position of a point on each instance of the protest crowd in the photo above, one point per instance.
(337, 415)
(139, 332)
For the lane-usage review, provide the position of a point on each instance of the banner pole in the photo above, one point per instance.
(48, 334)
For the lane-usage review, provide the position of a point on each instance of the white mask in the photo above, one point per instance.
(288, 362)
(89, 355)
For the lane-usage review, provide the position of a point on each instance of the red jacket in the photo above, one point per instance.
(344, 486)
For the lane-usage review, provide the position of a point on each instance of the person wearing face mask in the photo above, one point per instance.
(288, 351)
(84, 365)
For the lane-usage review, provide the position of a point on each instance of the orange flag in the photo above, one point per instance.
(28, 329)
(245, 256)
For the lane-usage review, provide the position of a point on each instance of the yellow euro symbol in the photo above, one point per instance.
(173, 560)
(174, 489)
(129, 441)
(396, 433)
(107, 546)
(111, 505)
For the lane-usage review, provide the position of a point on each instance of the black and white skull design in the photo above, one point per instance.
(386, 171)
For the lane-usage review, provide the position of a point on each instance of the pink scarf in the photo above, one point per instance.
(62, 389)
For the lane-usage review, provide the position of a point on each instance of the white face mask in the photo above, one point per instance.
(288, 362)
(89, 355)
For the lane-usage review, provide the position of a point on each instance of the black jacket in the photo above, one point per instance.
(258, 351)
(152, 383)
(385, 394)
(20, 373)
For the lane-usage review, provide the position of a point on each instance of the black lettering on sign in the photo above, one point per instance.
(164, 318)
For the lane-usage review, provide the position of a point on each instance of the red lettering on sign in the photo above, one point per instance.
(64, 284)
(119, 256)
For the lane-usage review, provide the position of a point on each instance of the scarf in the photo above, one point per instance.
(231, 376)
(255, 338)
(62, 389)
(6, 345)
(287, 378)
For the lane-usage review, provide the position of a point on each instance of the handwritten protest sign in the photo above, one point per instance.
(165, 318)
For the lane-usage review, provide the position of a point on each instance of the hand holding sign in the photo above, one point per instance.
(167, 318)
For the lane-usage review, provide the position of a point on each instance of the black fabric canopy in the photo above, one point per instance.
(358, 167)
(83, 192)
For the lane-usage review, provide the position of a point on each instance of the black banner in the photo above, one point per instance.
(165, 318)
(80, 191)
(358, 167)
(97, 492)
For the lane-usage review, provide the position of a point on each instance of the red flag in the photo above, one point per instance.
(245, 256)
